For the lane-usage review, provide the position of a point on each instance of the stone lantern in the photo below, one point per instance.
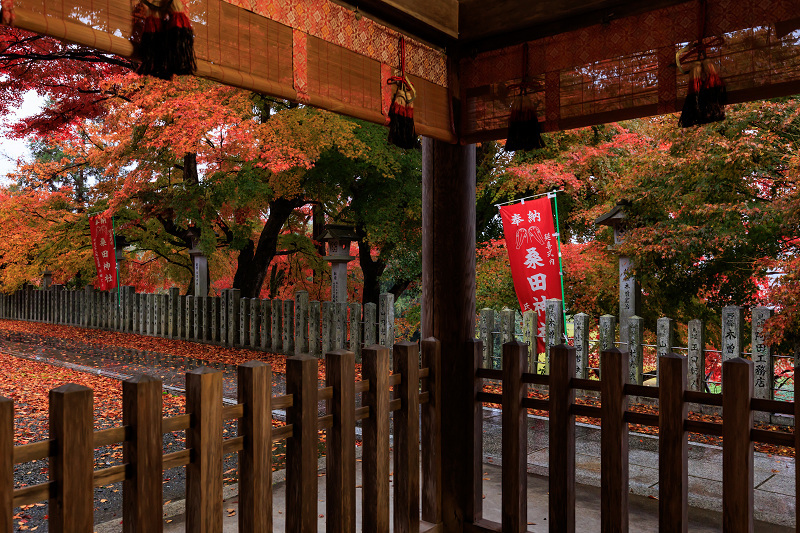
(47, 279)
(200, 263)
(629, 289)
(338, 238)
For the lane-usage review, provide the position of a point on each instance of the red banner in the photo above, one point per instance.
(102, 232)
(532, 246)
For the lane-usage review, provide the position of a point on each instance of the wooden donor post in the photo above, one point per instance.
(613, 442)
(673, 446)
(340, 480)
(301, 447)
(406, 438)
(737, 449)
(6, 465)
(563, 361)
(72, 461)
(431, 434)
(255, 458)
(204, 438)
(141, 492)
(375, 434)
(515, 439)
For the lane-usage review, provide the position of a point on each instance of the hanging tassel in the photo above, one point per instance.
(179, 40)
(401, 112)
(401, 116)
(712, 96)
(163, 39)
(691, 114)
(524, 131)
(7, 12)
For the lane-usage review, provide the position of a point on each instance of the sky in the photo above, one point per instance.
(13, 149)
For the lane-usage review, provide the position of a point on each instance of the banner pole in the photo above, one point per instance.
(116, 263)
(554, 196)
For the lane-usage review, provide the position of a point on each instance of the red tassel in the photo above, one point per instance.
(712, 96)
(691, 113)
(401, 117)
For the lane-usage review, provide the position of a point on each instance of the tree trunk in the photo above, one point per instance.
(372, 270)
(254, 260)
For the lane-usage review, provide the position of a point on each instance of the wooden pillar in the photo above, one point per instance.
(204, 437)
(255, 459)
(141, 494)
(448, 314)
(431, 433)
(72, 462)
(515, 439)
(340, 502)
(613, 442)
(301, 447)
(737, 452)
(6, 465)
(673, 447)
(562, 440)
(406, 438)
(375, 454)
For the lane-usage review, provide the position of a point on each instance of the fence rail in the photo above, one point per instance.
(280, 326)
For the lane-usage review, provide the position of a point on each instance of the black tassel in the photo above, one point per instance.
(692, 113)
(401, 119)
(524, 131)
(712, 96)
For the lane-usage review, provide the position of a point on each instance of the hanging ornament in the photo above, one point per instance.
(401, 112)
(163, 39)
(7, 12)
(524, 131)
(705, 95)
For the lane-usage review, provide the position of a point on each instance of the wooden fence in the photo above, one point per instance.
(280, 326)
(414, 395)
(407, 395)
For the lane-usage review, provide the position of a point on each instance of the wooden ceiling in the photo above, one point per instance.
(474, 26)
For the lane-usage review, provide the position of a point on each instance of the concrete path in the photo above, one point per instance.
(643, 511)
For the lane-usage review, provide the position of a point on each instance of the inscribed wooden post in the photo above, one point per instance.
(732, 338)
(553, 328)
(370, 324)
(386, 320)
(581, 329)
(314, 328)
(507, 326)
(288, 327)
(486, 335)
(665, 340)
(223, 316)
(266, 324)
(244, 321)
(189, 317)
(162, 314)
(636, 349)
(214, 319)
(255, 323)
(608, 325)
(172, 311)
(327, 326)
(276, 326)
(762, 357)
(340, 325)
(234, 295)
(355, 329)
(529, 323)
(697, 355)
(301, 322)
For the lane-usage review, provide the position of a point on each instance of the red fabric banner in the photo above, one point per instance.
(102, 233)
(532, 246)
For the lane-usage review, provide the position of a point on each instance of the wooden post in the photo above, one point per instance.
(613, 442)
(406, 438)
(72, 462)
(673, 446)
(581, 327)
(141, 493)
(6, 465)
(515, 439)
(486, 334)
(737, 450)
(431, 434)
(340, 502)
(448, 314)
(255, 459)
(375, 434)
(204, 438)
(301, 447)
(562, 440)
